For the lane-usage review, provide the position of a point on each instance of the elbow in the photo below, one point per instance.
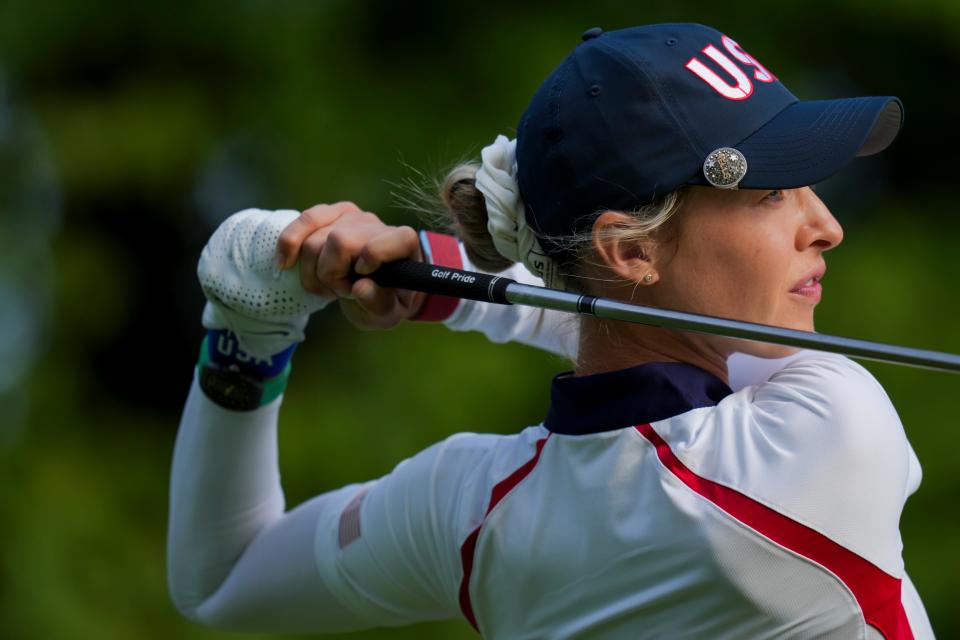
(187, 608)
(204, 612)
(189, 598)
(185, 600)
(182, 585)
(215, 610)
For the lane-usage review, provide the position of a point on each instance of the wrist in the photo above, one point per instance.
(223, 348)
(234, 380)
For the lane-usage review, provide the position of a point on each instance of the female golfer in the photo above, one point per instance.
(677, 488)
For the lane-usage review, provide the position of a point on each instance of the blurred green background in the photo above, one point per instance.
(128, 131)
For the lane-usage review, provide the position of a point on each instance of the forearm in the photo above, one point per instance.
(224, 489)
(546, 329)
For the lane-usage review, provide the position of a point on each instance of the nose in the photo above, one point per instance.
(819, 227)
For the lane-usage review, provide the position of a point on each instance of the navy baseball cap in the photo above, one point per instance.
(633, 114)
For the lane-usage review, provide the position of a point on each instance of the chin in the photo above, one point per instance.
(769, 351)
(729, 346)
(797, 322)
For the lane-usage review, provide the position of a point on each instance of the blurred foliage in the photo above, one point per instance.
(149, 123)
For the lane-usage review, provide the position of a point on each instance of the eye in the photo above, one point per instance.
(774, 196)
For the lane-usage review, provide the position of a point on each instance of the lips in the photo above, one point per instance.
(809, 286)
(810, 279)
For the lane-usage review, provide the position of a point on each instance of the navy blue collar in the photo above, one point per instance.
(627, 397)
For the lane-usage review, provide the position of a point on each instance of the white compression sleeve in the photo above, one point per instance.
(550, 331)
(235, 560)
(224, 489)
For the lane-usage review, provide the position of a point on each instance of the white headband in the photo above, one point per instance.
(514, 239)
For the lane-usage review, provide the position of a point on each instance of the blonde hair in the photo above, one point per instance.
(453, 204)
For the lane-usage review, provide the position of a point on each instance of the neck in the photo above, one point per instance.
(608, 346)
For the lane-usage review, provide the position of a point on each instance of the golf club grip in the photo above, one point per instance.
(439, 280)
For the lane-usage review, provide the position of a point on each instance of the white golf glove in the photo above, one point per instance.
(246, 292)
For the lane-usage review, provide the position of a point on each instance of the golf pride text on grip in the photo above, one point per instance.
(438, 280)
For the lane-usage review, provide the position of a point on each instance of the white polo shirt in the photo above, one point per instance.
(656, 502)
(651, 502)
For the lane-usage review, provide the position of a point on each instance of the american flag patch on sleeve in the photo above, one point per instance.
(350, 520)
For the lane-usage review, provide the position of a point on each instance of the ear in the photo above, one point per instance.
(629, 259)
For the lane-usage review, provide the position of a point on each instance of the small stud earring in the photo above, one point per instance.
(648, 278)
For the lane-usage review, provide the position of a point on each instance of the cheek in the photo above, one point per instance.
(741, 278)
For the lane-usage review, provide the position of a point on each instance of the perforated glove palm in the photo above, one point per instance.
(267, 309)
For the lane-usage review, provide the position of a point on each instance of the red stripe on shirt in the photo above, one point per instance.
(445, 251)
(469, 546)
(877, 592)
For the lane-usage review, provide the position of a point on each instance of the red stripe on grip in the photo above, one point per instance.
(445, 251)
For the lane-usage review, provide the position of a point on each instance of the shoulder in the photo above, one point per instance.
(816, 374)
(400, 535)
(453, 478)
(831, 397)
(837, 413)
(852, 452)
(821, 443)
(468, 453)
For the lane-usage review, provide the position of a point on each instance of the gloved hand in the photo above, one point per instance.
(267, 308)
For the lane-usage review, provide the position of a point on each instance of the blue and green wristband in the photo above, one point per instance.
(270, 374)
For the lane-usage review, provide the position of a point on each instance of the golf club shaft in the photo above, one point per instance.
(434, 279)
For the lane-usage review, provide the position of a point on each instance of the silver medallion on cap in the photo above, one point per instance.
(725, 167)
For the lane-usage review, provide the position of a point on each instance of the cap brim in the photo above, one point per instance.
(810, 141)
